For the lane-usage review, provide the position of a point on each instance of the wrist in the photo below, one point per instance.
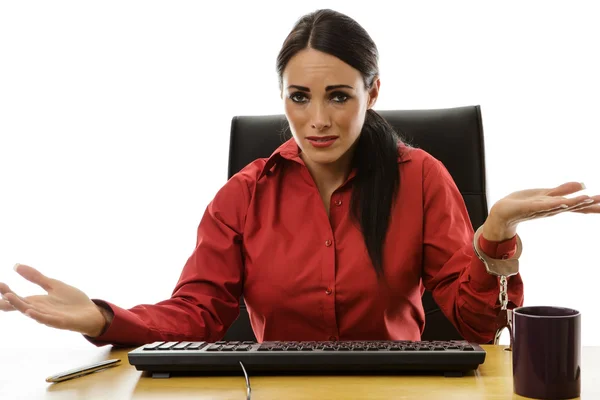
(101, 322)
(496, 230)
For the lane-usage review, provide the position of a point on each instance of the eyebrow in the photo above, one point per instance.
(327, 89)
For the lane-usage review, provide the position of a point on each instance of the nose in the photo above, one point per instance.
(320, 118)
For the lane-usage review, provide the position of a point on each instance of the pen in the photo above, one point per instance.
(81, 371)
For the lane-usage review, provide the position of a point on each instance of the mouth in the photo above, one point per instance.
(321, 141)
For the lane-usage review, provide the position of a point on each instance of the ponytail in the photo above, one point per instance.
(376, 184)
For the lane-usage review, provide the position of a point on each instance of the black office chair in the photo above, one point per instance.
(452, 135)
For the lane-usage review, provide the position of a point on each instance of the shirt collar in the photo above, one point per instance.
(290, 151)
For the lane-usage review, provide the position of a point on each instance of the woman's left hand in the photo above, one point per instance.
(529, 204)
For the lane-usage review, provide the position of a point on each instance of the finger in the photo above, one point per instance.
(34, 276)
(561, 207)
(577, 207)
(39, 302)
(566, 188)
(592, 201)
(17, 302)
(593, 209)
(581, 204)
(559, 203)
(4, 288)
(6, 306)
(47, 319)
(9, 297)
(596, 199)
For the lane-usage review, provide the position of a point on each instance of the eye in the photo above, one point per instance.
(298, 97)
(339, 97)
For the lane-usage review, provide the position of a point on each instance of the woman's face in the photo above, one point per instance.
(325, 103)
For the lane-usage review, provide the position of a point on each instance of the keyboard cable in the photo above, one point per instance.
(248, 388)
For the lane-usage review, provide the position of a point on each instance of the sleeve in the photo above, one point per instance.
(458, 280)
(205, 301)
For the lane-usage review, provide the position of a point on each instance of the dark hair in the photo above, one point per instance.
(377, 180)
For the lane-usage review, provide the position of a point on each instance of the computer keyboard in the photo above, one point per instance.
(340, 357)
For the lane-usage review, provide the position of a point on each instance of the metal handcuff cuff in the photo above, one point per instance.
(502, 268)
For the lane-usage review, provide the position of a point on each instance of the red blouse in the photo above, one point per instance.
(307, 276)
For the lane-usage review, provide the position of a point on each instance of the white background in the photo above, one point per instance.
(115, 116)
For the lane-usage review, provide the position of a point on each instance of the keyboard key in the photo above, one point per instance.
(196, 345)
(166, 346)
(181, 346)
(243, 347)
(214, 347)
(153, 346)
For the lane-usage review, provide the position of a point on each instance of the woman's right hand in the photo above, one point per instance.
(64, 307)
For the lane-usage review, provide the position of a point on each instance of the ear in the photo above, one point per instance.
(373, 92)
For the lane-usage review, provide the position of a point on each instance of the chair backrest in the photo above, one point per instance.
(452, 135)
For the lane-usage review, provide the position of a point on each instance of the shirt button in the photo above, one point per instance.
(504, 256)
(328, 291)
(328, 243)
(333, 338)
(338, 203)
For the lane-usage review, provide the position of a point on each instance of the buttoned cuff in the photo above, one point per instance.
(122, 326)
(499, 250)
(505, 249)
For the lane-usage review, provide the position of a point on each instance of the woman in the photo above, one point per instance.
(335, 236)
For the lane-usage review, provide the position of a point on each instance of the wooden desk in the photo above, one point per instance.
(23, 374)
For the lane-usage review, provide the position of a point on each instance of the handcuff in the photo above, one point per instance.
(502, 268)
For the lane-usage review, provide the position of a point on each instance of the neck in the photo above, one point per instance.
(329, 177)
